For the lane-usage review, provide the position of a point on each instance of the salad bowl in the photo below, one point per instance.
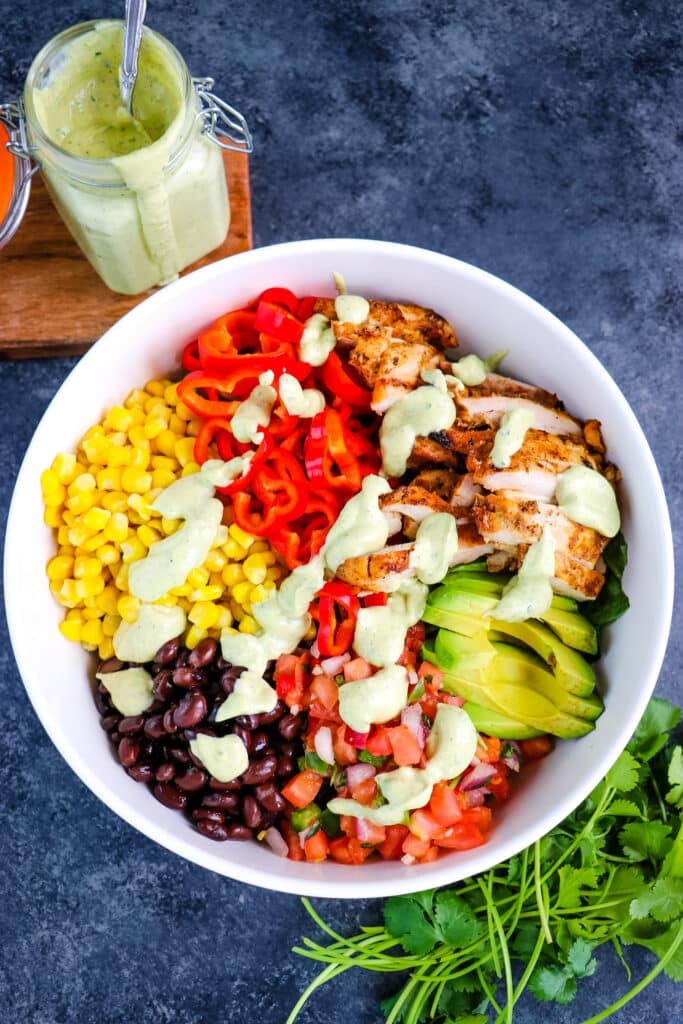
(487, 315)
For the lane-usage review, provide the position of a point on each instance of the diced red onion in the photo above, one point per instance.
(477, 776)
(364, 831)
(315, 650)
(276, 842)
(357, 739)
(412, 677)
(475, 797)
(359, 772)
(316, 670)
(322, 742)
(332, 666)
(512, 755)
(411, 716)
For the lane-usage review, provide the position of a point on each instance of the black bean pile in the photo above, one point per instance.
(154, 747)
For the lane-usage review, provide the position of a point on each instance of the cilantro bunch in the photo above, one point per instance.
(612, 872)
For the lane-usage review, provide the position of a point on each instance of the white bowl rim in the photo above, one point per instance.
(361, 884)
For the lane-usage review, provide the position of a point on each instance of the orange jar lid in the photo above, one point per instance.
(16, 171)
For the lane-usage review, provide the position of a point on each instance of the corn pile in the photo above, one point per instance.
(99, 503)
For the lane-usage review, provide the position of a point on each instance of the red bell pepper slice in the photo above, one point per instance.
(280, 297)
(190, 357)
(278, 494)
(337, 613)
(211, 431)
(327, 456)
(305, 308)
(278, 323)
(341, 381)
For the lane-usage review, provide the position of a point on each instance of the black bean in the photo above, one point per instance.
(228, 680)
(165, 772)
(154, 727)
(237, 831)
(223, 801)
(168, 652)
(268, 717)
(141, 772)
(203, 654)
(179, 754)
(244, 735)
(251, 812)
(131, 724)
(109, 722)
(110, 665)
(190, 711)
(268, 796)
(285, 766)
(162, 684)
(101, 702)
(290, 726)
(215, 830)
(191, 779)
(260, 771)
(207, 814)
(187, 677)
(260, 743)
(129, 751)
(170, 796)
(169, 723)
(225, 787)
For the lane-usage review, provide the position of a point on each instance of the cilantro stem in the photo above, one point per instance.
(522, 983)
(321, 979)
(490, 994)
(604, 802)
(643, 983)
(541, 898)
(505, 953)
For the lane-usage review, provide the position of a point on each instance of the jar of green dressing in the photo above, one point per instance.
(143, 193)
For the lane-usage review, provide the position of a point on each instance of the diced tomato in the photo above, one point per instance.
(358, 740)
(302, 789)
(358, 851)
(347, 823)
(357, 668)
(291, 674)
(368, 832)
(450, 698)
(499, 786)
(424, 825)
(406, 749)
(482, 817)
(415, 847)
(429, 703)
(462, 836)
(392, 847)
(317, 847)
(291, 838)
(365, 792)
(536, 748)
(431, 854)
(445, 804)
(379, 744)
(344, 752)
(432, 675)
(325, 690)
(339, 850)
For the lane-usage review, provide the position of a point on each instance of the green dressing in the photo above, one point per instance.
(317, 341)
(130, 690)
(252, 696)
(417, 414)
(436, 542)
(224, 757)
(587, 497)
(529, 594)
(366, 702)
(298, 401)
(351, 309)
(254, 412)
(471, 370)
(436, 378)
(381, 630)
(361, 526)
(510, 436)
(155, 624)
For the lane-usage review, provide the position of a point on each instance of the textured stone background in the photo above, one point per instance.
(541, 140)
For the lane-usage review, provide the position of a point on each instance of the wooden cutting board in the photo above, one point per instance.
(51, 300)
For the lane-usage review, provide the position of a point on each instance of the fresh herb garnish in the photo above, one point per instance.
(611, 873)
(611, 602)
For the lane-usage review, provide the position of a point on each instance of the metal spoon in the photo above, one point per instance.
(132, 34)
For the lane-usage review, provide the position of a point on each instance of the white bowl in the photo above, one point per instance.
(487, 315)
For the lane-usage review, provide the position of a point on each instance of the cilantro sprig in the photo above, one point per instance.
(610, 874)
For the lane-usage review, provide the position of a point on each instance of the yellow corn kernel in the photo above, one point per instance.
(204, 614)
(87, 568)
(63, 536)
(139, 457)
(234, 550)
(107, 601)
(168, 600)
(189, 468)
(65, 466)
(260, 593)
(148, 535)
(162, 478)
(164, 462)
(91, 632)
(184, 590)
(221, 534)
(89, 587)
(184, 450)
(96, 450)
(154, 426)
(232, 573)
(52, 516)
(119, 418)
(137, 397)
(241, 536)
(106, 648)
(80, 503)
(182, 411)
(82, 484)
(237, 610)
(121, 578)
(78, 535)
(275, 573)
(96, 518)
(249, 625)
(128, 607)
(118, 456)
(193, 427)
(135, 480)
(165, 442)
(68, 594)
(59, 567)
(194, 635)
(155, 387)
(171, 394)
(110, 623)
(108, 478)
(132, 549)
(93, 543)
(215, 560)
(117, 528)
(54, 492)
(207, 593)
(224, 620)
(71, 629)
(255, 568)
(241, 591)
(198, 577)
(107, 554)
(169, 526)
(177, 426)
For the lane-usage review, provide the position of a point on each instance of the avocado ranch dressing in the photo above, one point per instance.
(143, 193)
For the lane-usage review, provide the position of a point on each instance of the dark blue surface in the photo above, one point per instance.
(542, 141)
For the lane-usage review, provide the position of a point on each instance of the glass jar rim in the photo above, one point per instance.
(99, 172)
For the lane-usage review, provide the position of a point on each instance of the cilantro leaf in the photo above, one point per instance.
(623, 775)
(457, 924)
(616, 555)
(663, 901)
(675, 777)
(404, 918)
(610, 604)
(624, 809)
(461, 998)
(580, 960)
(661, 944)
(646, 840)
(524, 940)
(572, 880)
(651, 735)
(552, 984)
(472, 1018)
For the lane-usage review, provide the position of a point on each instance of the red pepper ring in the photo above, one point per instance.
(209, 432)
(240, 483)
(340, 381)
(190, 357)
(278, 322)
(337, 613)
(280, 297)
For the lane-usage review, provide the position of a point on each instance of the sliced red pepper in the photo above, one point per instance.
(281, 297)
(373, 600)
(341, 381)
(240, 483)
(277, 495)
(326, 453)
(209, 432)
(190, 357)
(305, 308)
(278, 323)
(337, 612)
(298, 545)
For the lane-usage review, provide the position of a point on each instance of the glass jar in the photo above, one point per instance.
(143, 196)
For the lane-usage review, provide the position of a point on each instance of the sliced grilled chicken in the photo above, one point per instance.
(464, 492)
(414, 502)
(504, 519)
(431, 450)
(399, 372)
(398, 320)
(489, 410)
(438, 481)
(575, 579)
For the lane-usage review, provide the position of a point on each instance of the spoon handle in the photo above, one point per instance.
(132, 34)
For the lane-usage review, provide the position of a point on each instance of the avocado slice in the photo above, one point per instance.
(569, 668)
(573, 629)
(494, 723)
(457, 649)
(518, 702)
(523, 668)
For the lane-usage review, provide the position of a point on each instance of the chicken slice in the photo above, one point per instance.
(402, 321)
(576, 579)
(414, 502)
(399, 372)
(490, 409)
(504, 519)
(431, 450)
(438, 481)
(464, 492)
